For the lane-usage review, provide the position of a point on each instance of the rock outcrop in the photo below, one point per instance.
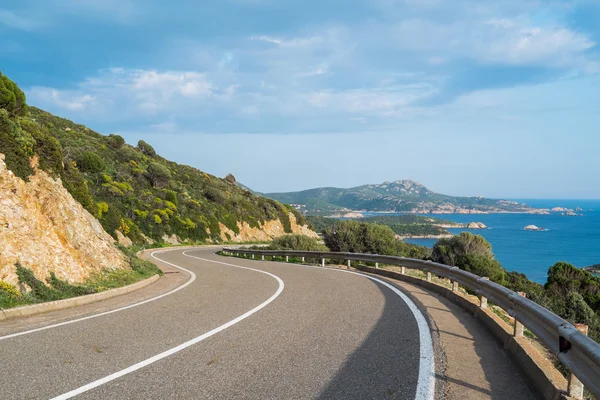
(476, 225)
(533, 228)
(45, 229)
(268, 231)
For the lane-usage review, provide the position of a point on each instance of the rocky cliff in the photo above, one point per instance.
(46, 230)
(268, 231)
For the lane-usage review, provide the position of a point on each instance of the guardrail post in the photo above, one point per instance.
(348, 264)
(322, 262)
(575, 385)
(483, 301)
(403, 270)
(253, 256)
(428, 276)
(519, 328)
(287, 258)
(263, 257)
(376, 265)
(302, 259)
(454, 286)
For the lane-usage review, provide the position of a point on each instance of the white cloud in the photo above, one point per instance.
(493, 41)
(68, 100)
(294, 42)
(15, 21)
(398, 101)
(320, 70)
(123, 91)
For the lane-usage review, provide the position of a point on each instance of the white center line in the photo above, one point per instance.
(426, 379)
(182, 346)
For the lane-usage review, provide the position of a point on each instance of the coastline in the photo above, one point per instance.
(445, 236)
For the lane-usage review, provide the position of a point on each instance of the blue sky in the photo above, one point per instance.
(469, 97)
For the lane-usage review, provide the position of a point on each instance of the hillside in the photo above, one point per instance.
(399, 196)
(138, 196)
(405, 226)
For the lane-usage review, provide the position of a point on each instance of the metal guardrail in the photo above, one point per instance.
(576, 351)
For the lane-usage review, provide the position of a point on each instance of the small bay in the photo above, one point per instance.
(574, 239)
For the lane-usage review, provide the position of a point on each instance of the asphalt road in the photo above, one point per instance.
(264, 331)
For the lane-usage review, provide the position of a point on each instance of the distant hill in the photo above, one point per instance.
(137, 195)
(399, 196)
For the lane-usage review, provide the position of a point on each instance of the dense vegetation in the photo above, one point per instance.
(570, 292)
(361, 237)
(297, 242)
(399, 196)
(129, 189)
(402, 225)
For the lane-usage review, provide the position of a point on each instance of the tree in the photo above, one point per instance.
(146, 149)
(577, 311)
(12, 97)
(469, 252)
(450, 251)
(159, 175)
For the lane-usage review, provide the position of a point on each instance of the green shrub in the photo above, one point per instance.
(16, 145)
(75, 183)
(90, 162)
(10, 296)
(39, 291)
(102, 209)
(115, 141)
(362, 237)
(297, 242)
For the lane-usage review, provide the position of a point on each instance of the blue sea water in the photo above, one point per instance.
(572, 239)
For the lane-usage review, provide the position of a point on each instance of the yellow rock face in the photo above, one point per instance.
(45, 229)
(268, 231)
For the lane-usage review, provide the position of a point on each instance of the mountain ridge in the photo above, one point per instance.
(406, 196)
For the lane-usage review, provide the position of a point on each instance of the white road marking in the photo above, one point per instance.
(426, 380)
(182, 346)
(189, 281)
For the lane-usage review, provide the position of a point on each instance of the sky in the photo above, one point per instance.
(469, 97)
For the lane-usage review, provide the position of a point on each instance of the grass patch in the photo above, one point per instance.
(57, 289)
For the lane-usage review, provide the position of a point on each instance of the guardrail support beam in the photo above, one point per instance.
(403, 270)
(302, 259)
(322, 262)
(348, 264)
(287, 258)
(253, 256)
(575, 385)
(519, 328)
(428, 276)
(454, 286)
(483, 301)
(376, 265)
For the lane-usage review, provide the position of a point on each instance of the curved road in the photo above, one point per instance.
(235, 329)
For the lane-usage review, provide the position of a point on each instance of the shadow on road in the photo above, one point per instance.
(386, 365)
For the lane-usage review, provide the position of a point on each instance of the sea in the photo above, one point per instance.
(574, 239)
